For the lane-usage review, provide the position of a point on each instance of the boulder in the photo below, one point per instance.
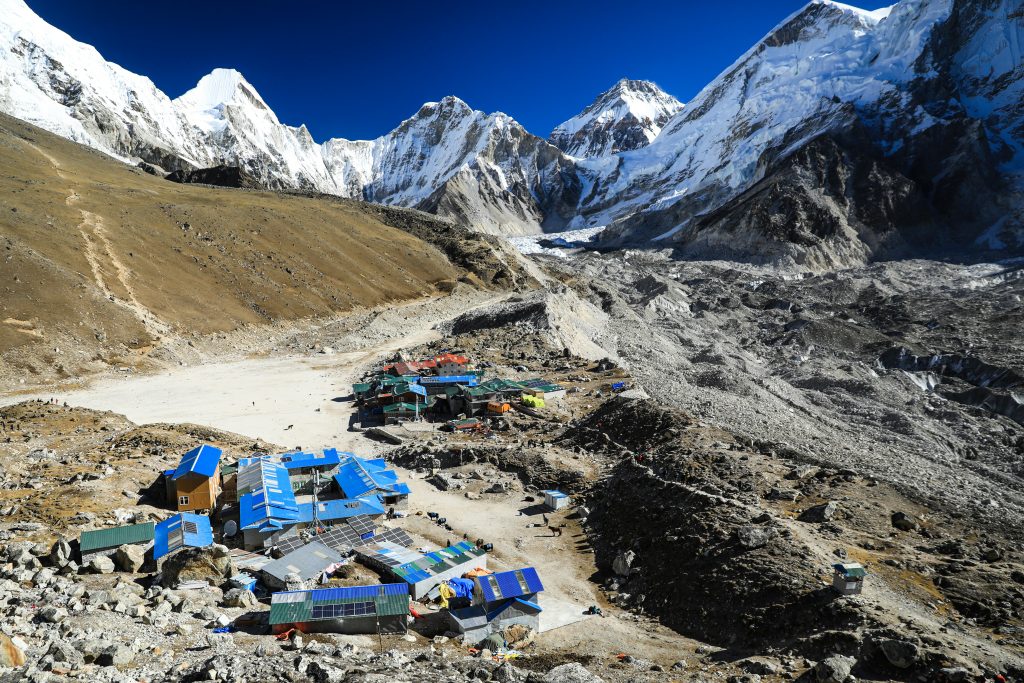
(220, 640)
(902, 654)
(444, 481)
(101, 565)
(211, 564)
(834, 669)
(754, 536)
(240, 597)
(64, 653)
(10, 654)
(116, 655)
(820, 513)
(60, 553)
(573, 672)
(53, 615)
(130, 558)
(904, 521)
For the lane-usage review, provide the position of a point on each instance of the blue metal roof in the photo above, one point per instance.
(203, 460)
(270, 502)
(299, 460)
(357, 592)
(468, 380)
(185, 529)
(555, 493)
(328, 510)
(357, 477)
(510, 584)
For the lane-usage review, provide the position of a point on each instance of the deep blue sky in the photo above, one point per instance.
(356, 70)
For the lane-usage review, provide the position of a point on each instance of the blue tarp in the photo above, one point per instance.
(463, 587)
(203, 460)
(195, 533)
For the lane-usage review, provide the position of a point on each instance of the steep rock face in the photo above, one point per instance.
(49, 79)
(235, 127)
(929, 88)
(836, 201)
(627, 116)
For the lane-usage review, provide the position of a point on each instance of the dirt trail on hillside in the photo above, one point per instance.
(99, 251)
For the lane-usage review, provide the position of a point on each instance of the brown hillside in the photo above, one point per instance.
(101, 260)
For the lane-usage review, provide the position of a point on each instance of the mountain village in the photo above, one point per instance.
(718, 391)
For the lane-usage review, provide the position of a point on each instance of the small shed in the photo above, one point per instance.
(180, 531)
(848, 578)
(197, 479)
(92, 544)
(352, 610)
(555, 500)
(499, 601)
(308, 562)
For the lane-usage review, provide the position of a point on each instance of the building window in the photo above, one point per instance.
(182, 500)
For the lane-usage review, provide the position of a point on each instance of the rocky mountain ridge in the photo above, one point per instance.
(627, 116)
(923, 97)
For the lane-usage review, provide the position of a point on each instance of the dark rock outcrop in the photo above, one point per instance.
(222, 176)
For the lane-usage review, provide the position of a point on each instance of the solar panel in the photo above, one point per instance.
(341, 537)
(362, 524)
(349, 609)
(287, 545)
(398, 536)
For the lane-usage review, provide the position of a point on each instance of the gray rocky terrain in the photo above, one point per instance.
(907, 371)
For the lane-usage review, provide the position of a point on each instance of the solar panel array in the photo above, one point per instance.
(397, 536)
(413, 567)
(350, 609)
(338, 603)
(361, 524)
(341, 537)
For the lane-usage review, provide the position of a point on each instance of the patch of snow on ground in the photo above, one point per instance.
(531, 244)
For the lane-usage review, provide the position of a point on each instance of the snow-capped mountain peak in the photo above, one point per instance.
(220, 86)
(204, 104)
(929, 91)
(627, 116)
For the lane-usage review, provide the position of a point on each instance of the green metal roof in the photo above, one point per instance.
(360, 387)
(851, 570)
(115, 536)
(387, 601)
(499, 384)
(399, 407)
(291, 612)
